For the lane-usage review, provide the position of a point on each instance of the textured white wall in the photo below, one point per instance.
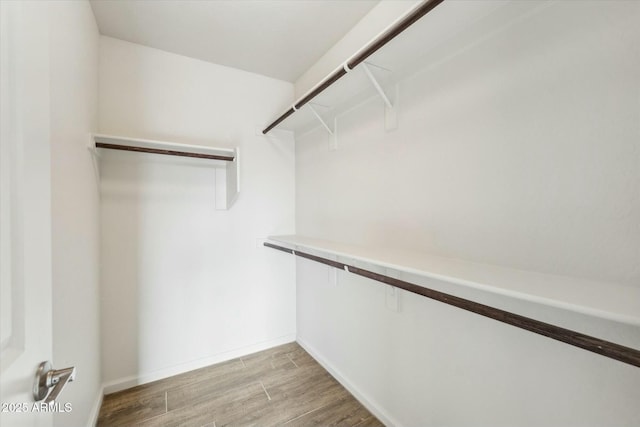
(73, 42)
(185, 285)
(521, 151)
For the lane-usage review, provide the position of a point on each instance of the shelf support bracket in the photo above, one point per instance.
(91, 146)
(332, 133)
(390, 110)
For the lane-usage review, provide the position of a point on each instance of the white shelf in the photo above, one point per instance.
(162, 145)
(604, 300)
(225, 160)
(447, 30)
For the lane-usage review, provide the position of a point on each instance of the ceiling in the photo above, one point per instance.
(275, 38)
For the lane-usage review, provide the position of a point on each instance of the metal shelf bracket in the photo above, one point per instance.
(390, 107)
(331, 132)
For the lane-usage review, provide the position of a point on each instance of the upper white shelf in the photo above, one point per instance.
(225, 160)
(604, 300)
(442, 33)
(163, 147)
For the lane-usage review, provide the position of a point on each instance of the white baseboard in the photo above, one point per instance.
(134, 380)
(362, 397)
(95, 410)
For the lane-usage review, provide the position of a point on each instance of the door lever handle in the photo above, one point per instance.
(50, 382)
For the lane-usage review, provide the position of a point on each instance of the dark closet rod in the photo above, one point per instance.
(605, 348)
(373, 47)
(162, 151)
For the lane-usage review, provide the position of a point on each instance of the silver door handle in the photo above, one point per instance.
(49, 382)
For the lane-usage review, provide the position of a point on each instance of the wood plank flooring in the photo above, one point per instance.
(279, 386)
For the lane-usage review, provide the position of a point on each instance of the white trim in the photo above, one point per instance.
(374, 407)
(134, 380)
(95, 410)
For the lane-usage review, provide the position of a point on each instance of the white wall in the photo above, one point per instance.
(75, 206)
(522, 151)
(185, 285)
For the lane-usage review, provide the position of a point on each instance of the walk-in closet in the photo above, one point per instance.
(409, 213)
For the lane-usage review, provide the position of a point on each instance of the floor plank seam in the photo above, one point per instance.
(265, 390)
(362, 422)
(310, 412)
(291, 360)
(144, 420)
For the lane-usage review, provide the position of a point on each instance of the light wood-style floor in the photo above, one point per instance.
(279, 386)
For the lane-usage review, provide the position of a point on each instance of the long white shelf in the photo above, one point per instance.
(447, 30)
(225, 160)
(603, 300)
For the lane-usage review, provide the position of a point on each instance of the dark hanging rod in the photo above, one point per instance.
(373, 47)
(596, 345)
(405, 23)
(163, 151)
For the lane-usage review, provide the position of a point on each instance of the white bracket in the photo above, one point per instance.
(391, 298)
(332, 133)
(95, 155)
(392, 294)
(390, 108)
(227, 182)
(332, 272)
(332, 276)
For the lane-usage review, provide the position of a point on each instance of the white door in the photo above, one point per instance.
(25, 209)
